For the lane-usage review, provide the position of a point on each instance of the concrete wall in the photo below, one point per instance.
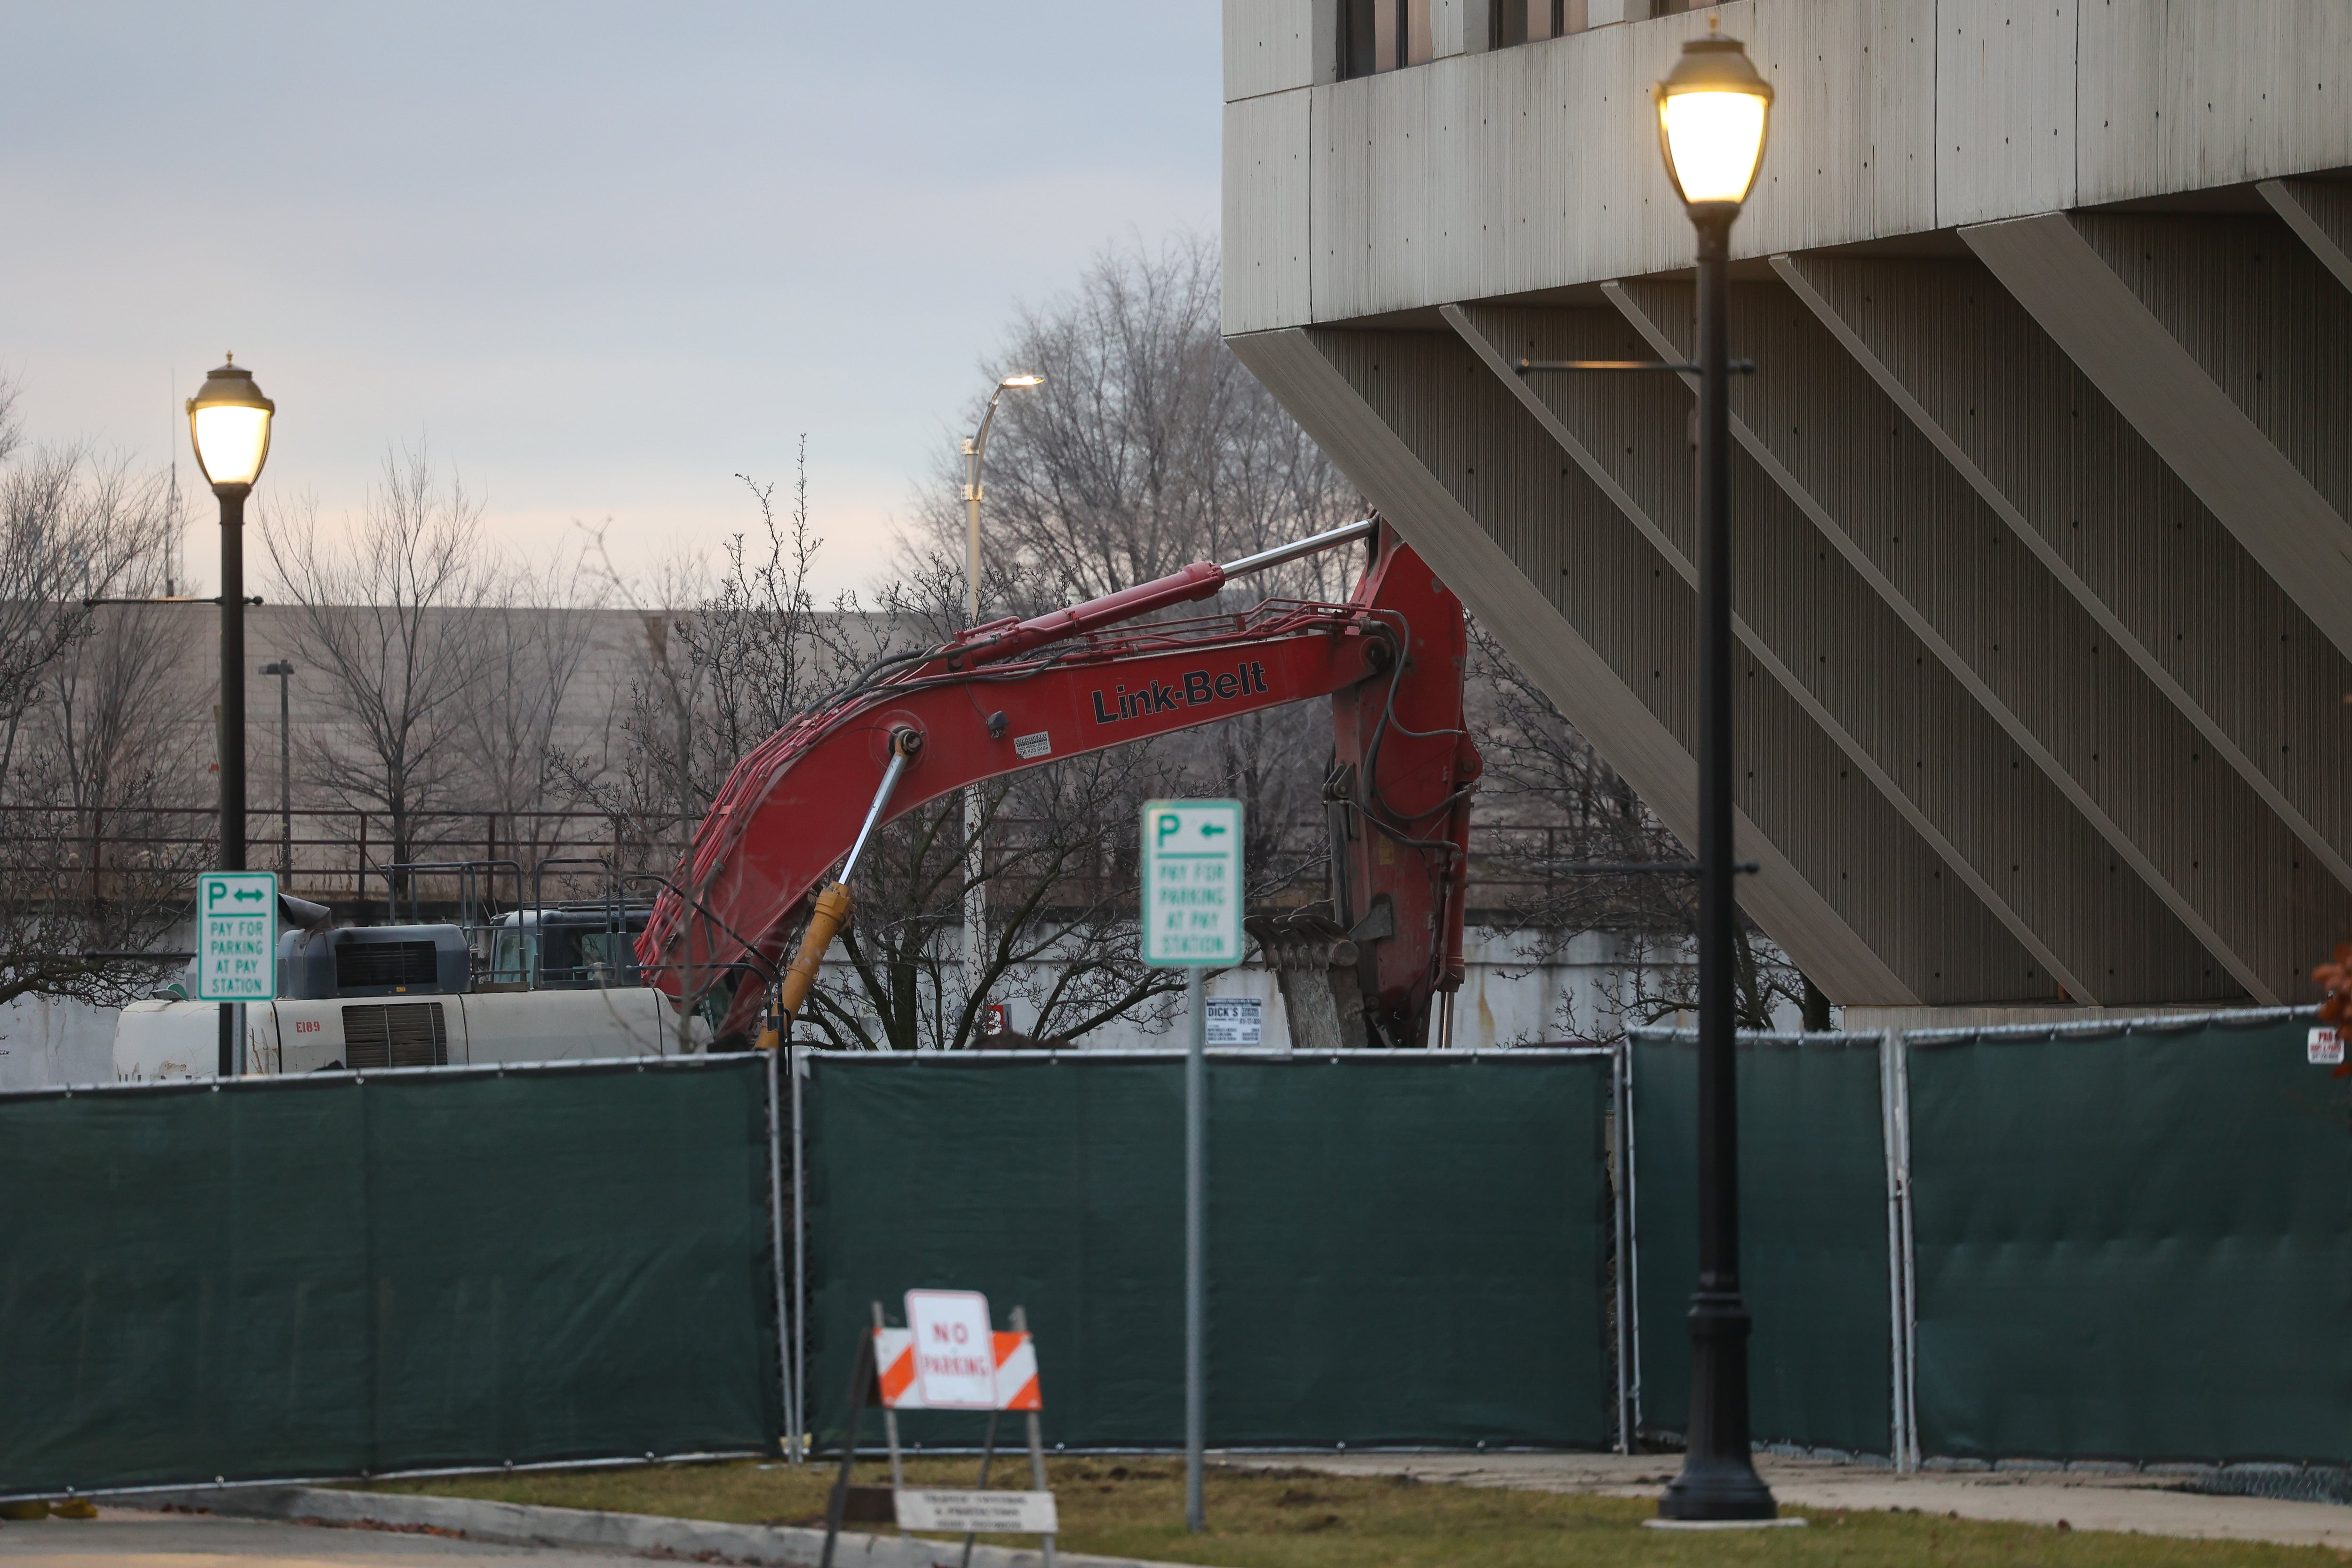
(2043, 490)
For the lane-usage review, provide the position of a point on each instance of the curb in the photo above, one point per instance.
(650, 1535)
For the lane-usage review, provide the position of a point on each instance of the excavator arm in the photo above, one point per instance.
(1017, 694)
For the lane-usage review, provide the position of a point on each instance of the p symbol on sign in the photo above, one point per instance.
(1167, 825)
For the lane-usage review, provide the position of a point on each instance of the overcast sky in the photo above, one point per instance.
(599, 258)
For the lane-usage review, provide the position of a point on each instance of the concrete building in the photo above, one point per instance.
(2042, 492)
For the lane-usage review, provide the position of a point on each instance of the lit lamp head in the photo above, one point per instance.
(1018, 382)
(228, 420)
(1712, 111)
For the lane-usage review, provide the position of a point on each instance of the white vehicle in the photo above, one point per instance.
(158, 1039)
(396, 996)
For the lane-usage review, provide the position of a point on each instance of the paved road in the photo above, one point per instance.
(137, 1540)
(2133, 1502)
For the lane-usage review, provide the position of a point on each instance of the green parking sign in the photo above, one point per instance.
(236, 936)
(1193, 883)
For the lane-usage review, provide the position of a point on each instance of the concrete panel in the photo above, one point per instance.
(1499, 337)
(1538, 166)
(2156, 571)
(1267, 250)
(1270, 46)
(1918, 733)
(2004, 108)
(2320, 213)
(1338, 212)
(2066, 700)
(1603, 620)
(2277, 513)
(2261, 316)
(2180, 95)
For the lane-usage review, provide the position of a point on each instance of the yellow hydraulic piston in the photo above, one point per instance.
(825, 921)
(831, 909)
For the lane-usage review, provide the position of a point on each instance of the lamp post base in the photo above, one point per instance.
(1712, 1490)
(1719, 1480)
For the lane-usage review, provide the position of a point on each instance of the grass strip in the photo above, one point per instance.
(1134, 1507)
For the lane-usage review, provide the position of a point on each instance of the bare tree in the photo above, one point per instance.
(1148, 448)
(728, 660)
(536, 630)
(1561, 809)
(95, 743)
(393, 627)
(72, 528)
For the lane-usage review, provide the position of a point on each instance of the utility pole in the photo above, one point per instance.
(975, 890)
(283, 668)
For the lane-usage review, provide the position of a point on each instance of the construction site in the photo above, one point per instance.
(1612, 839)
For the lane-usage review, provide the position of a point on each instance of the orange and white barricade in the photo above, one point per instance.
(950, 1356)
(1016, 1372)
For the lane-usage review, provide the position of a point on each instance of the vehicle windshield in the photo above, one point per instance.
(560, 952)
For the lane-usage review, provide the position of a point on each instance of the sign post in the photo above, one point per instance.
(1193, 921)
(236, 944)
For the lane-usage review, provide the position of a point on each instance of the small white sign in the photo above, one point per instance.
(236, 936)
(1029, 747)
(2325, 1047)
(1237, 1021)
(1193, 883)
(955, 1349)
(1029, 1513)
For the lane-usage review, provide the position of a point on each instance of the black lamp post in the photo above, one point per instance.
(228, 423)
(1712, 110)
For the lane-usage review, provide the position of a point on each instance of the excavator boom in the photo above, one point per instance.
(1019, 694)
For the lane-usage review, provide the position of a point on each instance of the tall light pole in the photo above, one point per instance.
(228, 423)
(975, 894)
(283, 668)
(1712, 111)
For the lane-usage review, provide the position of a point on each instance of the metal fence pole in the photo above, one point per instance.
(776, 1134)
(1621, 1154)
(799, 1347)
(1906, 1366)
(1196, 1218)
(1631, 1259)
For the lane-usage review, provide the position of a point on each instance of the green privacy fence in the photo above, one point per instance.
(2133, 1242)
(1402, 1247)
(1814, 1227)
(347, 1274)
(2125, 1241)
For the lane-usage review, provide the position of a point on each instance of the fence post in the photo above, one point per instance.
(799, 1347)
(1895, 1105)
(776, 1135)
(1621, 1083)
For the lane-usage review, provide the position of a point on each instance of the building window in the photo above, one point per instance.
(1526, 21)
(1381, 35)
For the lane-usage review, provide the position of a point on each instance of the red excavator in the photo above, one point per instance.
(1017, 694)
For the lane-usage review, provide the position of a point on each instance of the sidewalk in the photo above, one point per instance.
(2130, 1501)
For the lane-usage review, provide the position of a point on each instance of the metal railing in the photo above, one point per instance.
(338, 856)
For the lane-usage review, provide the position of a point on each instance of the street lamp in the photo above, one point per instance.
(975, 451)
(1712, 111)
(229, 422)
